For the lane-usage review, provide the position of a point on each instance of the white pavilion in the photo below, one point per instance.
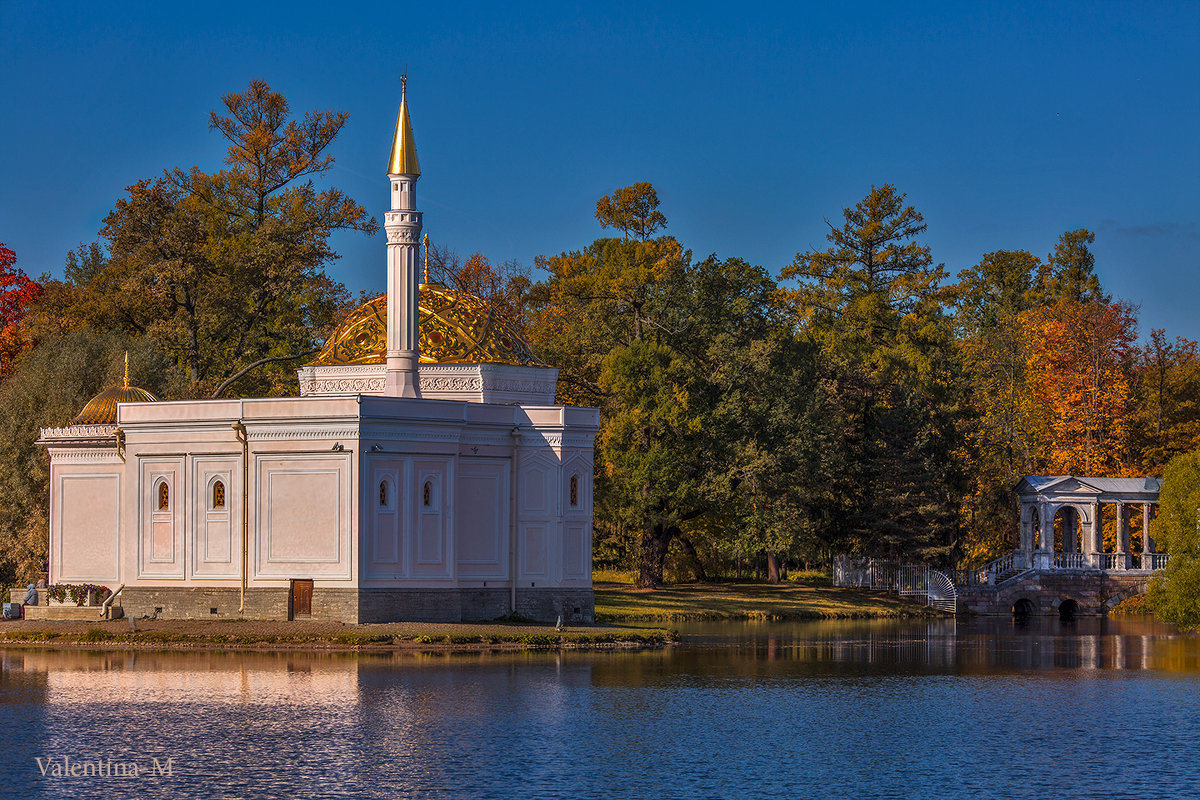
(424, 473)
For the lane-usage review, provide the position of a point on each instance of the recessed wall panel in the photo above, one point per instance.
(303, 516)
(87, 528)
(481, 515)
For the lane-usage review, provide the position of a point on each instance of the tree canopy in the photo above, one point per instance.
(17, 294)
(226, 269)
(1175, 593)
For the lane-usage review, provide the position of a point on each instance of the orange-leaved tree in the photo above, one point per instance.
(1079, 370)
(17, 292)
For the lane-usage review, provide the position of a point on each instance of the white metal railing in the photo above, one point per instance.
(914, 580)
(907, 580)
(942, 594)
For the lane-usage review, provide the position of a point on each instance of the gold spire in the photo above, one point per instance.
(126, 369)
(425, 241)
(404, 149)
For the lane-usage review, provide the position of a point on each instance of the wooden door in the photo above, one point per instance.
(302, 591)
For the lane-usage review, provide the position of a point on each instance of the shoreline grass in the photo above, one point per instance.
(260, 635)
(714, 602)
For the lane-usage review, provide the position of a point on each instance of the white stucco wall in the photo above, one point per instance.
(315, 466)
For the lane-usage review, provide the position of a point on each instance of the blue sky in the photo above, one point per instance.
(1005, 123)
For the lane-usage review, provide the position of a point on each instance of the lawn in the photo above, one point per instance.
(304, 635)
(617, 602)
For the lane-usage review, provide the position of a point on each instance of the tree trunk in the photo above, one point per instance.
(653, 554)
(697, 565)
(772, 567)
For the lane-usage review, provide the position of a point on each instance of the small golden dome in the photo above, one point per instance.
(454, 328)
(102, 409)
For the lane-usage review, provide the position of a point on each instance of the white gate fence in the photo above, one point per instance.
(932, 587)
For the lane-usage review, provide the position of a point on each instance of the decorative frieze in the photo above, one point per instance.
(86, 455)
(504, 384)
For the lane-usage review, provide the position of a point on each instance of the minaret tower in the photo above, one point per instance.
(403, 226)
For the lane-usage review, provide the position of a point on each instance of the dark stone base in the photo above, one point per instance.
(1094, 593)
(473, 605)
(362, 605)
(171, 602)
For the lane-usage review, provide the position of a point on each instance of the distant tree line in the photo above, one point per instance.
(861, 400)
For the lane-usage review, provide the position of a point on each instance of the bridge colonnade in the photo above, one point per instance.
(1080, 502)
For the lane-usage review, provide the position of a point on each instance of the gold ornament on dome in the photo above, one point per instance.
(102, 409)
(454, 328)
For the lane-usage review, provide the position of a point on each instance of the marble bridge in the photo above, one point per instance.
(1083, 546)
(1067, 561)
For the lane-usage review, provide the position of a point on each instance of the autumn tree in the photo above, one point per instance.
(226, 269)
(1070, 270)
(614, 291)
(1008, 430)
(504, 287)
(17, 293)
(873, 303)
(633, 210)
(1079, 367)
(605, 316)
(52, 383)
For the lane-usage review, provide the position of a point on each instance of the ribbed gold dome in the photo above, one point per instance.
(454, 328)
(102, 409)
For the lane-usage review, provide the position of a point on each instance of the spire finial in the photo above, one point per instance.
(425, 241)
(403, 160)
(126, 369)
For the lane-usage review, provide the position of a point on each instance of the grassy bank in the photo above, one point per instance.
(256, 635)
(616, 602)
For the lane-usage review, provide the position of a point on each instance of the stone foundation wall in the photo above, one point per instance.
(1093, 592)
(179, 602)
(545, 605)
(474, 605)
(409, 605)
(361, 605)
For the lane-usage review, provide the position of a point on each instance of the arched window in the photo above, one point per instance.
(218, 498)
(164, 496)
(574, 491)
(427, 494)
(383, 498)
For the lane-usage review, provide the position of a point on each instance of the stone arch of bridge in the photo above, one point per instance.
(1023, 607)
(1067, 609)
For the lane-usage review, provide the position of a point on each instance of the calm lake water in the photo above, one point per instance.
(1098, 709)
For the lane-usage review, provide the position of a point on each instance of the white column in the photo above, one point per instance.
(1045, 530)
(1147, 542)
(1122, 548)
(403, 225)
(1044, 557)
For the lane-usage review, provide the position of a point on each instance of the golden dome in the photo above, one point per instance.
(102, 409)
(454, 328)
